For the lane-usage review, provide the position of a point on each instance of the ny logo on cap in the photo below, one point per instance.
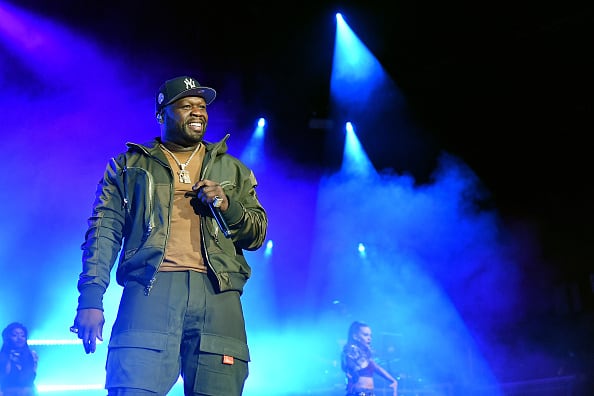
(190, 83)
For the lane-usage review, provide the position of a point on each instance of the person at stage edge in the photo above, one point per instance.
(182, 211)
(18, 362)
(358, 363)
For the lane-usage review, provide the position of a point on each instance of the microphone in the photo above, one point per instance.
(215, 209)
(218, 216)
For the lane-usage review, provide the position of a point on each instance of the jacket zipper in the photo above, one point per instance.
(149, 229)
(149, 287)
(202, 229)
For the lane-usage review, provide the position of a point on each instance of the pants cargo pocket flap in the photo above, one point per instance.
(222, 345)
(139, 339)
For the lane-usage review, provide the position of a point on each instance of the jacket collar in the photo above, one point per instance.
(152, 147)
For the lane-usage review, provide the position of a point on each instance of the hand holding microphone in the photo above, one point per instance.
(213, 195)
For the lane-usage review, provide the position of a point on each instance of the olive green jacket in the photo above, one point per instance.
(131, 216)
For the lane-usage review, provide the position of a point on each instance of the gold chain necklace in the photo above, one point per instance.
(184, 175)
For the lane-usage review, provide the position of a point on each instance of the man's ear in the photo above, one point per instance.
(160, 117)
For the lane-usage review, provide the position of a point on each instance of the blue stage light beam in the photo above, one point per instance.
(268, 249)
(362, 250)
(253, 153)
(355, 162)
(356, 73)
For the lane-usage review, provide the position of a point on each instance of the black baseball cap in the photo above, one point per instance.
(181, 87)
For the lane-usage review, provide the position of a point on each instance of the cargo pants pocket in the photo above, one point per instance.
(222, 365)
(139, 359)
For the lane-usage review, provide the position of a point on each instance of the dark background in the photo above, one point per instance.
(486, 81)
(506, 87)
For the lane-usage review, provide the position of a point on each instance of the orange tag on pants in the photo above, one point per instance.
(227, 359)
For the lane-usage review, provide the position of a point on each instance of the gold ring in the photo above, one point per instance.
(73, 330)
(217, 202)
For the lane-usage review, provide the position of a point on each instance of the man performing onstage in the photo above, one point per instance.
(183, 211)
